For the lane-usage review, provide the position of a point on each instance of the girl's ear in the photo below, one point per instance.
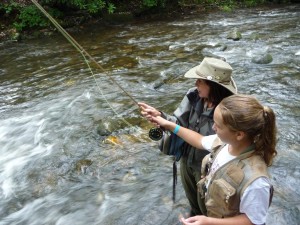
(240, 135)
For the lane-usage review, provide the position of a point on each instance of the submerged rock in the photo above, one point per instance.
(108, 126)
(263, 59)
(113, 140)
(83, 164)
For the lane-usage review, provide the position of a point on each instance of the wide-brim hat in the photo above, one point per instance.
(215, 70)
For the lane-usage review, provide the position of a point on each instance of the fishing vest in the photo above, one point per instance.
(191, 114)
(228, 183)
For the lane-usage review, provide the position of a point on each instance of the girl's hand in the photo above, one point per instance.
(195, 220)
(161, 122)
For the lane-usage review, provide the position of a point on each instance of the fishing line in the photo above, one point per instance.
(154, 133)
(86, 61)
(85, 54)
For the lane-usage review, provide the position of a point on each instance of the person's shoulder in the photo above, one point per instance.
(192, 94)
(217, 141)
(211, 141)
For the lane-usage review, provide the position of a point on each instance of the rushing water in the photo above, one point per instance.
(68, 159)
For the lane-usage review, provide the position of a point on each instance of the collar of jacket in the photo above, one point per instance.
(198, 103)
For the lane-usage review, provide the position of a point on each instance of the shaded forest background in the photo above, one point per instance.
(18, 18)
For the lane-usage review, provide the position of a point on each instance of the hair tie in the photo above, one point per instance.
(265, 110)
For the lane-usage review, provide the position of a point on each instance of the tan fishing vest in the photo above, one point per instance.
(222, 199)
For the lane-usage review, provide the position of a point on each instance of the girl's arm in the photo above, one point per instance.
(191, 137)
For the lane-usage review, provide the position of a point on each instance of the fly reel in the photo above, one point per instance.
(156, 133)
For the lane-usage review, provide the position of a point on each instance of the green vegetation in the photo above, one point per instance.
(22, 15)
(30, 16)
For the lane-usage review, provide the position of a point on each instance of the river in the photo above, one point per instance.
(74, 148)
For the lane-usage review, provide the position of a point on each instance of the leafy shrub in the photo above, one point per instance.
(30, 16)
(111, 8)
(150, 3)
(25, 15)
(154, 3)
(9, 8)
(92, 6)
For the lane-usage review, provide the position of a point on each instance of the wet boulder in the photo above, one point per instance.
(234, 35)
(262, 59)
(107, 126)
(122, 62)
(254, 36)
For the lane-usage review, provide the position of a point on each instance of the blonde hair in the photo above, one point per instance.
(245, 113)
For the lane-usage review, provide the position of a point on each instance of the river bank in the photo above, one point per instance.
(77, 21)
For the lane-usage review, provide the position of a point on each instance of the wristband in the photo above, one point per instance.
(175, 131)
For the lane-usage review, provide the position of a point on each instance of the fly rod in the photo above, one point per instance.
(154, 133)
(79, 47)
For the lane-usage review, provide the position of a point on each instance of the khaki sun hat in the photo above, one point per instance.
(215, 70)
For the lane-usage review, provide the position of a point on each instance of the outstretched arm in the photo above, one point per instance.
(191, 137)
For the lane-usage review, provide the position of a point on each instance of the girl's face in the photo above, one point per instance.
(203, 88)
(226, 135)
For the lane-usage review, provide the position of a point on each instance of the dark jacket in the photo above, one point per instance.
(191, 114)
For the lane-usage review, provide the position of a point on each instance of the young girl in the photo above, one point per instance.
(235, 182)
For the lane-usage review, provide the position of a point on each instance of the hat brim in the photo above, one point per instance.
(192, 74)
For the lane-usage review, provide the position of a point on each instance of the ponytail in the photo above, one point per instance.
(266, 141)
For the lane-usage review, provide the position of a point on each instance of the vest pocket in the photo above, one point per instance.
(222, 194)
(202, 187)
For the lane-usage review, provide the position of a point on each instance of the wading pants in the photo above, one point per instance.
(190, 177)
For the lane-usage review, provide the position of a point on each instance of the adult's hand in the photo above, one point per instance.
(148, 111)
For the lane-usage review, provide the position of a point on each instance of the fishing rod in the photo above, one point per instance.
(154, 133)
(79, 47)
